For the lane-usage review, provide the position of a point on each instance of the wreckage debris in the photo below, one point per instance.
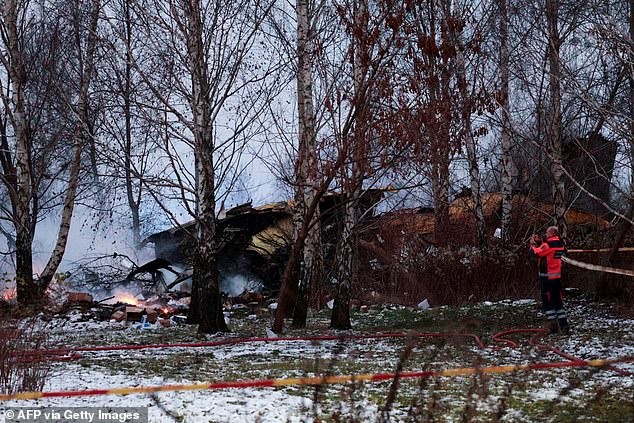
(127, 308)
(79, 297)
(169, 309)
(249, 297)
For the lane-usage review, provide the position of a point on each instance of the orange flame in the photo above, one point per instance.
(9, 294)
(124, 297)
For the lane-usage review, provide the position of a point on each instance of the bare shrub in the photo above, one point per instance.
(23, 366)
(448, 275)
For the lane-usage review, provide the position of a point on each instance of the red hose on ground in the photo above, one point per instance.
(66, 351)
(69, 354)
(534, 341)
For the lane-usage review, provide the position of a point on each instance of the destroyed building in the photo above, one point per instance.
(253, 242)
(249, 241)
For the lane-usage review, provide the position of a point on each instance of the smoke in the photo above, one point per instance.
(238, 283)
(100, 252)
(91, 237)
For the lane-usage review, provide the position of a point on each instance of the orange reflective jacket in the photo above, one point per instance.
(550, 253)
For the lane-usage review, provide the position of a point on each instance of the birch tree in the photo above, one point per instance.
(367, 137)
(210, 83)
(307, 183)
(33, 144)
(505, 123)
(352, 171)
(303, 272)
(85, 36)
(465, 32)
(340, 114)
(316, 30)
(431, 111)
(17, 176)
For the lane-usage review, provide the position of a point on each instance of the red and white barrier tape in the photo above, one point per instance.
(319, 380)
(597, 268)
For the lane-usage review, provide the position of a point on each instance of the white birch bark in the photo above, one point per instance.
(505, 130)
(83, 136)
(205, 285)
(469, 140)
(21, 187)
(347, 265)
(306, 168)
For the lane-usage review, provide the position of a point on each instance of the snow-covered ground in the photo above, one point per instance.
(597, 335)
(231, 405)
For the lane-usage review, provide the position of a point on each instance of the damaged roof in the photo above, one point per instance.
(225, 217)
(528, 213)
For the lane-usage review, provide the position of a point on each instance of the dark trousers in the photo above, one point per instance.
(552, 301)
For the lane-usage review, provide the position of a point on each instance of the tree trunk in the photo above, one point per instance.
(288, 288)
(67, 215)
(27, 292)
(84, 136)
(347, 270)
(22, 190)
(554, 120)
(306, 170)
(470, 142)
(205, 278)
(133, 203)
(505, 133)
(441, 140)
(310, 268)
(353, 175)
(206, 307)
(440, 192)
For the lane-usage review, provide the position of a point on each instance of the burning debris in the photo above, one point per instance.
(156, 293)
(167, 309)
(8, 296)
(126, 307)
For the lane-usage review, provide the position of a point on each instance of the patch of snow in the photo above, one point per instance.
(589, 340)
(525, 301)
(546, 394)
(228, 405)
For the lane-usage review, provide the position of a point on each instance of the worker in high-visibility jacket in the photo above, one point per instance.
(549, 253)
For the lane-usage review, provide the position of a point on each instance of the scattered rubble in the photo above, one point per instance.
(79, 297)
(165, 310)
